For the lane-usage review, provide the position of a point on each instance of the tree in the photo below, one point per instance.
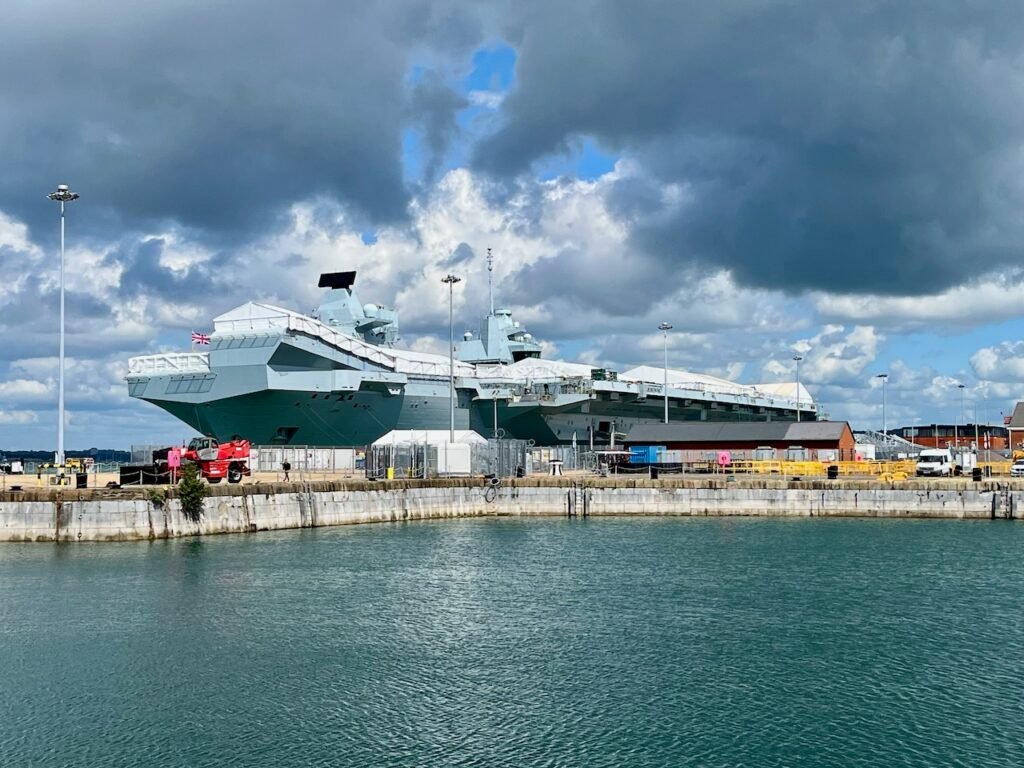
(191, 492)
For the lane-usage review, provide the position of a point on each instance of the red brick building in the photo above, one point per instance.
(983, 436)
(832, 439)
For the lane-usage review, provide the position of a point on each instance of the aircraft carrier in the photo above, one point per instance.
(337, 378)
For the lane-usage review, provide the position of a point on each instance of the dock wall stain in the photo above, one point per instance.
(129, 514)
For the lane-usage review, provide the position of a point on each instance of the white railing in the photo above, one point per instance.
(281, 319)
(169, 362)
(739, 393)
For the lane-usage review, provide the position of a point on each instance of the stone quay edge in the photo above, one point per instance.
(138, 514)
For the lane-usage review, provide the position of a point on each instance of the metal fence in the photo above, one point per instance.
(306, 459)
(502, 458)
(570, 458)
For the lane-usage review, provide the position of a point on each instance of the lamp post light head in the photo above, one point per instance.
(882, 376)
(63, 194)
(797, 358)
(665, 326)
(451, 279)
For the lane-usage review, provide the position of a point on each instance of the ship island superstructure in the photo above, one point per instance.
(336, 377)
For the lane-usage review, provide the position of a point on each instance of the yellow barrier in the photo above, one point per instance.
(890, 469)
(887, 471)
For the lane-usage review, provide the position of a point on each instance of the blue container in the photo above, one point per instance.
(643, 454)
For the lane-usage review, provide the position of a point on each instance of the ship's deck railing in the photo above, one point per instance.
(169, 362)
(739, 393)
(395, 360)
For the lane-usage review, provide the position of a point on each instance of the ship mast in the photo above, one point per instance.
(490, 278)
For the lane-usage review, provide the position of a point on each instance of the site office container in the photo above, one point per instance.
(647, 454)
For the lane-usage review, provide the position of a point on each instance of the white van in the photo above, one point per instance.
(935, 462)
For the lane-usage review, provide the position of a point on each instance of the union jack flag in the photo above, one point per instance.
(200, 338)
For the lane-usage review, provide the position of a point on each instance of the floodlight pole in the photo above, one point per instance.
(956, 437)
(797, 359)
(884, 377)
(62, 195)
(885, 431)
(451, 280)
(665, 328)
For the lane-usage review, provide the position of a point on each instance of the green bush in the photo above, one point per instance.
(191, 492)
(157, 496)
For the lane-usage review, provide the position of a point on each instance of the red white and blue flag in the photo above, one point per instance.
(200, 338)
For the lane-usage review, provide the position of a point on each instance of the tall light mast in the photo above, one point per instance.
(62, 195)
(490, 278)
(451, 280)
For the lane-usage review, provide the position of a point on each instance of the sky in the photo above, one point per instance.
(832, 180)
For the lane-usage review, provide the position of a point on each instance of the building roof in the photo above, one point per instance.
(727, 432)
(1017, 420)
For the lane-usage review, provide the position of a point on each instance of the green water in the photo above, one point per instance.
(521, 643)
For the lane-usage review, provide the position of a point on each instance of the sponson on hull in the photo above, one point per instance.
(337, 378)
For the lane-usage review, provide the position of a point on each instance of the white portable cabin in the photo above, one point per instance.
(452, 458)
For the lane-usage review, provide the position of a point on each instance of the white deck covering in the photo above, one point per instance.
(686, 380)
(429, 436)
(535, 369)
(786, 390)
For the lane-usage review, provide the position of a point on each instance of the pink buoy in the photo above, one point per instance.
(724, 459)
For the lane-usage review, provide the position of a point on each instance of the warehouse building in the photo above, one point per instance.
(696, 441)
(982, 436)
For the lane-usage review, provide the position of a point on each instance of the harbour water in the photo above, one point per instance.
(511, 642)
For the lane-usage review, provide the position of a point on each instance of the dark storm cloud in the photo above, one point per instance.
(853, 147)
(433, 108)
(572, 276)
(143, 273)
(215, 114)
(462, 253)
(293, 260)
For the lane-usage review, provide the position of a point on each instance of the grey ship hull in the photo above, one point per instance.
(309, 418)
(271, 417)
(274, 376)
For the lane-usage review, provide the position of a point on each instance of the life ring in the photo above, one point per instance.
(724, 458)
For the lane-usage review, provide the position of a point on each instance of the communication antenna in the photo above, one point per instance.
(490, 277)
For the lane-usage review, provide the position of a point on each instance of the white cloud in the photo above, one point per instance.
(486, 99)
(993, 298)
(1003, 362)
(24, 390)
(833, 356)
(18, 417)
(720, 328)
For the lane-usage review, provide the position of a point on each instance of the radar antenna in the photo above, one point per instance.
(490, 278)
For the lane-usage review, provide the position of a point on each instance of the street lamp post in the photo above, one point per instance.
(62, 195)
(451, 280)
(665, 328)
(977, 436)
(958, 419)
(885, 432)
(956, 437)
(797, 359)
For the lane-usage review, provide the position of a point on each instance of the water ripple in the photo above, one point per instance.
(521, 643)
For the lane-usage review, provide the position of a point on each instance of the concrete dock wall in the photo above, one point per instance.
(134, 514)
